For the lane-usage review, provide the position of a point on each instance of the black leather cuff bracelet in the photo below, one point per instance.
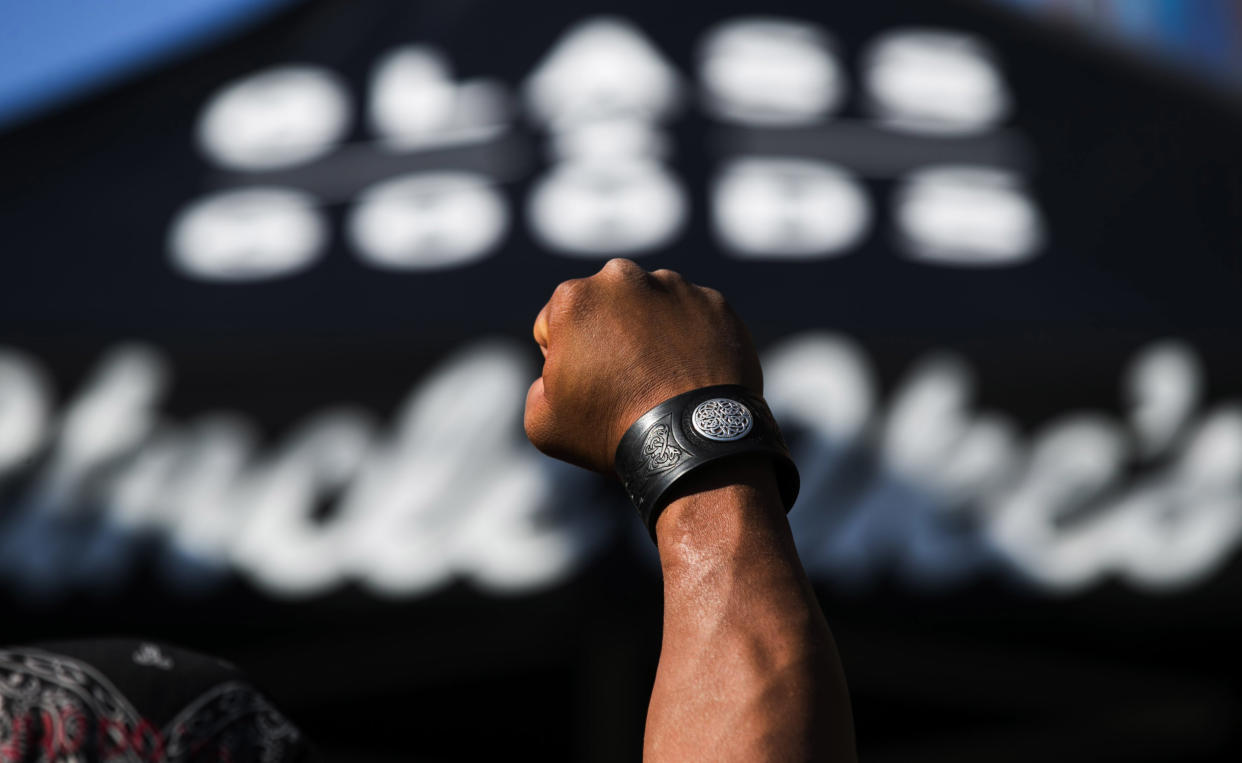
(696, 428)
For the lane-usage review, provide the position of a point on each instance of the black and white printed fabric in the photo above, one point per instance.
(121, 701)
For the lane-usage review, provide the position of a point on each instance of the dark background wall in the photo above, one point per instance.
(1011, 381)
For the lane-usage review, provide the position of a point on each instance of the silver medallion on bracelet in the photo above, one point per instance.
(722, 419)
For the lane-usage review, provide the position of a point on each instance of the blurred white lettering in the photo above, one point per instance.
(24, 411)
(428, 220)
(770, 72)
(275, 118)
(792, 209)
(934, 81)
(929, 487)
(602, 91)
(247, 235)
(967, 217)
(415, 103)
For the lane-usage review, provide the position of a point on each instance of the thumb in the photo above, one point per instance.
(538, 419)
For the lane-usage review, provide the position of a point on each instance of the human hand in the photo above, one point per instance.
(617, 344)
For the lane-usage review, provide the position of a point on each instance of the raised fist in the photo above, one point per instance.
(617, 344)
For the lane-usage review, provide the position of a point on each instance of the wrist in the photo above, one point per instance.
(685, 436)
(728, 507)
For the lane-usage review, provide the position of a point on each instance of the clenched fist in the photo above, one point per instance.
(617, 344)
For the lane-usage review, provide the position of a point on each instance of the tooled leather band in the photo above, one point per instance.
(696, 428)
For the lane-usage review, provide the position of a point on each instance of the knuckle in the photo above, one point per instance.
(567, 293)
(619, 266)
(714, 296)
(668, 276)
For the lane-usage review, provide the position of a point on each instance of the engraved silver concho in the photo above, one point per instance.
(722, 419)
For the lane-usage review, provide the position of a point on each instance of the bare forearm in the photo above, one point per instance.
(748, 669)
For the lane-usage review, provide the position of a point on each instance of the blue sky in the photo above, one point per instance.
(51, 50)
